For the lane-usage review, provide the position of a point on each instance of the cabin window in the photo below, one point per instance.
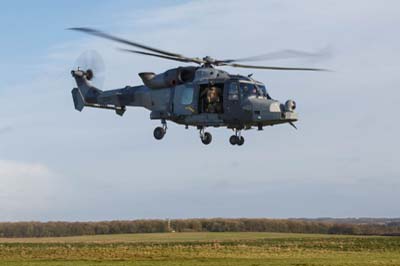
(187, 95)
(233, 93)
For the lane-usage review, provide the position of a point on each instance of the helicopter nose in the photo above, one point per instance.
(288, 111)
(275, 107)
(270, 112)
(264, 109)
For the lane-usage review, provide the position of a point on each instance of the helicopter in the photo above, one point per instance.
(200, 96)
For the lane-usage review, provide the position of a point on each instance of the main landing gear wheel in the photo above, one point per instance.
(236, 139)
(233, 140)
(159, 133)
(240, 141)
(206, 138)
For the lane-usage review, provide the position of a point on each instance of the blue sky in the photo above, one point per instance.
(58, 164)
(29, 29)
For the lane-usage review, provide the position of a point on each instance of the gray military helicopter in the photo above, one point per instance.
(201, 96)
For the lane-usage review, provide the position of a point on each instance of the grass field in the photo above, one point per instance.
(201, 249)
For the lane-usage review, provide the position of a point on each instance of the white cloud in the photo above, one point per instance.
(26, 190)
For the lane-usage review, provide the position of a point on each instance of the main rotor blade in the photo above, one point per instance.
(163, 56)
(282, 54)
(120, 40)
(275, 68)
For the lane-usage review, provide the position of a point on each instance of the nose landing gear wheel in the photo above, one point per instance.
(240, 141)
(159, 133)
(206, 138)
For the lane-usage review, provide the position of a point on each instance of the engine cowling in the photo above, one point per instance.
(170, 78)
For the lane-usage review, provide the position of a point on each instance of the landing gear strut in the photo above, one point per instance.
(205, 137)
(237, 139)
(159, 132)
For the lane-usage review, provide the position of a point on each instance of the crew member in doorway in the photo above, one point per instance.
(213, 100)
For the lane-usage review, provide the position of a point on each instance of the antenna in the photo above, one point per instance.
(170, 230)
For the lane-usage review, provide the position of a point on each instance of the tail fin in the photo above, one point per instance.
(84, 94)
(79, 100)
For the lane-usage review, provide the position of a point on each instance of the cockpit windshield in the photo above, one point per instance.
(250, 89)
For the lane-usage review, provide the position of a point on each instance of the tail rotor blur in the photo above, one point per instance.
(93, 65)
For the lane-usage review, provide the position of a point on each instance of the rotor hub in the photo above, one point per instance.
(209, 60)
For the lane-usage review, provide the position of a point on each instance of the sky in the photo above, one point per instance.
(59, 164)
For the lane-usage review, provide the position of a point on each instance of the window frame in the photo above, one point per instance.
(236, 93)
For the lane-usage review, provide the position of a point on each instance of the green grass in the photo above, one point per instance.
(202, 249)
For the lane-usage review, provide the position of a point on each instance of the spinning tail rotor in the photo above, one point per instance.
(93, 67)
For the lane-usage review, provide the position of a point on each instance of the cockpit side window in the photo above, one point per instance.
(247, 89)
(263, 91)
(253, 89)
(233, 93)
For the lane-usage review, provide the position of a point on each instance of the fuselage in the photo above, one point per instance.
(241, 102)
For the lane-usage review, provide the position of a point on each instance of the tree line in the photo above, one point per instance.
(58, 229)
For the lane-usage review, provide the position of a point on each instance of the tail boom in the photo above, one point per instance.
(87, 95)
